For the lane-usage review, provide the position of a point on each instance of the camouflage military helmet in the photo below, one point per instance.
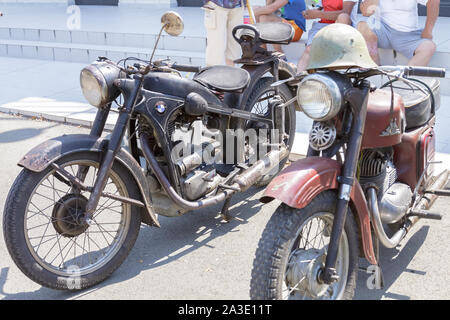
(339, 46)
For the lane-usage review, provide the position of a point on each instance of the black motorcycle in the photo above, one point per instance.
(74, 212)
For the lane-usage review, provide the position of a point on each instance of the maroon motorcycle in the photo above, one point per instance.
(367, 179)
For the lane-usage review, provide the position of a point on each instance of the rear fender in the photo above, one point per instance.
(41, 156)
(285, 71)
(302, 181)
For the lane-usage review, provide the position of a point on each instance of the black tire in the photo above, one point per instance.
(15, 214)
(262, 87)
(274, 248)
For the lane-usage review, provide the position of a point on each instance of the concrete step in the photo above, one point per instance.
(86, 46)
(145, 40)
(87, 52)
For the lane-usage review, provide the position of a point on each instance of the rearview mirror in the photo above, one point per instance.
(172, 23)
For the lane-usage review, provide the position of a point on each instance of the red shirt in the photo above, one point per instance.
(331, 5)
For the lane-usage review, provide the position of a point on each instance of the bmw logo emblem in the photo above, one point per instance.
(160, 107)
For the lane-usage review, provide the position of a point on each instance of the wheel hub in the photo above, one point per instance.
(303, 271)
(69, 215)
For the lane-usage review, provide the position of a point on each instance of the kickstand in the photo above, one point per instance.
(377, 254)
(225, 212)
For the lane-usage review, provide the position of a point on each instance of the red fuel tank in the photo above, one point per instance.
(384, 128)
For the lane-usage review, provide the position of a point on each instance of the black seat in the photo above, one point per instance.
(223, 78)
(417, 103)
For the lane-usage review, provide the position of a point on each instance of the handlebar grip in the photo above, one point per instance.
(186, 68)
(425, 72)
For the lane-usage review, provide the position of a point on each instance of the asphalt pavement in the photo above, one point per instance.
(197, 256)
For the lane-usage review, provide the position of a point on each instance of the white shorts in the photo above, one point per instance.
(219, 23)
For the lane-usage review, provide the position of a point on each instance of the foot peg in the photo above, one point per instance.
(424, 214)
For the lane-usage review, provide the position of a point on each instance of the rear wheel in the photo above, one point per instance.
(259, 102)
(293, 249)
(51, 240)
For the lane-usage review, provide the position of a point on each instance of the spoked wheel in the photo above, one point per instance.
(259, 103)
(293, 249)
(52, 240)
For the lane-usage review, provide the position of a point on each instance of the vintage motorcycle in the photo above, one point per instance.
(74, 212)
(367, 178)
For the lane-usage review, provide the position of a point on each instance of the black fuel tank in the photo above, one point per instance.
(174, 85)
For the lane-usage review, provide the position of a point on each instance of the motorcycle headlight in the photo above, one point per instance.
(320, 96)
(97, 83)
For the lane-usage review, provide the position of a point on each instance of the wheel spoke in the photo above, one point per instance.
(54, 221)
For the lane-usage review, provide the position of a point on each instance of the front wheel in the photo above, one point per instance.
(50, 239)
(293, 248)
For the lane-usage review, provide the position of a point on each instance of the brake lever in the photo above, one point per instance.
(399, 74)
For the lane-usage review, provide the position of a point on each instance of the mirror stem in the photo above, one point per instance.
(157, 41)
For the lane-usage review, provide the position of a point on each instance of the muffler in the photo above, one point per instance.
(250, 176)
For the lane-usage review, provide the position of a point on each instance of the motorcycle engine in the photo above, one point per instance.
(198, 152)
(377, 168)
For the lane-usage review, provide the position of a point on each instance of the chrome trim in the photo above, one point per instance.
(333, 89)
(378, 226)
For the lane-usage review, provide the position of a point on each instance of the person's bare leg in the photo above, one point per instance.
(344, 18)
(371, 40)
(272, 18)
(304, 60)
(423, 54)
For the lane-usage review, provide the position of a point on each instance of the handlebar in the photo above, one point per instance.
(415, 71)
(249, 27)
(185, 68)
(425, 72)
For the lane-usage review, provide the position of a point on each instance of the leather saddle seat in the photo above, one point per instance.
(275, 32)
(271, 32)
(417, 103)
(223, 78)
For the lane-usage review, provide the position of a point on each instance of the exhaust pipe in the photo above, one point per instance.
(261, 167)
(378, 226)
(240, 183)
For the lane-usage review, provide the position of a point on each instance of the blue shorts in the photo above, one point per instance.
(405, 43)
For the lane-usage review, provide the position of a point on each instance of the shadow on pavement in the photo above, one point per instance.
(394, 262)
(15, 135)
(156, 247)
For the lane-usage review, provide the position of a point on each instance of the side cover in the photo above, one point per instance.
(302, 181)
(41, 156)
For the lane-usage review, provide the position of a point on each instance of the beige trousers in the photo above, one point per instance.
(219, 23)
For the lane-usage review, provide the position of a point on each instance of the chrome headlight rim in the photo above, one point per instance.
(103, 74)
(333, 90)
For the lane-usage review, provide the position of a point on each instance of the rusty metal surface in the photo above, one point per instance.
(379, 120)
(41, 156)
(301, 182)
(407, 159)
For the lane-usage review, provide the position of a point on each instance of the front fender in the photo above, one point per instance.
(302, 181)
(41, 156)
